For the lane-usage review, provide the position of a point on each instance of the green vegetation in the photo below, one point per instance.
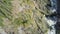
(1, 22)
(31, 14)
(5, 10)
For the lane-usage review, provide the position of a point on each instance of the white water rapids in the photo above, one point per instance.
(51, 24)
(52, 20)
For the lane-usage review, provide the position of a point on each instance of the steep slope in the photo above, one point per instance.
(24, 16)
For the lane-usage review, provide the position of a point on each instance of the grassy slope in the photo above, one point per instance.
(24, 12)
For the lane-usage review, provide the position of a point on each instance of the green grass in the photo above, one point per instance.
(34, 15)
(5, 10)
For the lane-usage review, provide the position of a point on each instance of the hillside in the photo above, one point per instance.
(24, 16)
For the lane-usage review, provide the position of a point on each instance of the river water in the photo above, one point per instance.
(51, 20)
